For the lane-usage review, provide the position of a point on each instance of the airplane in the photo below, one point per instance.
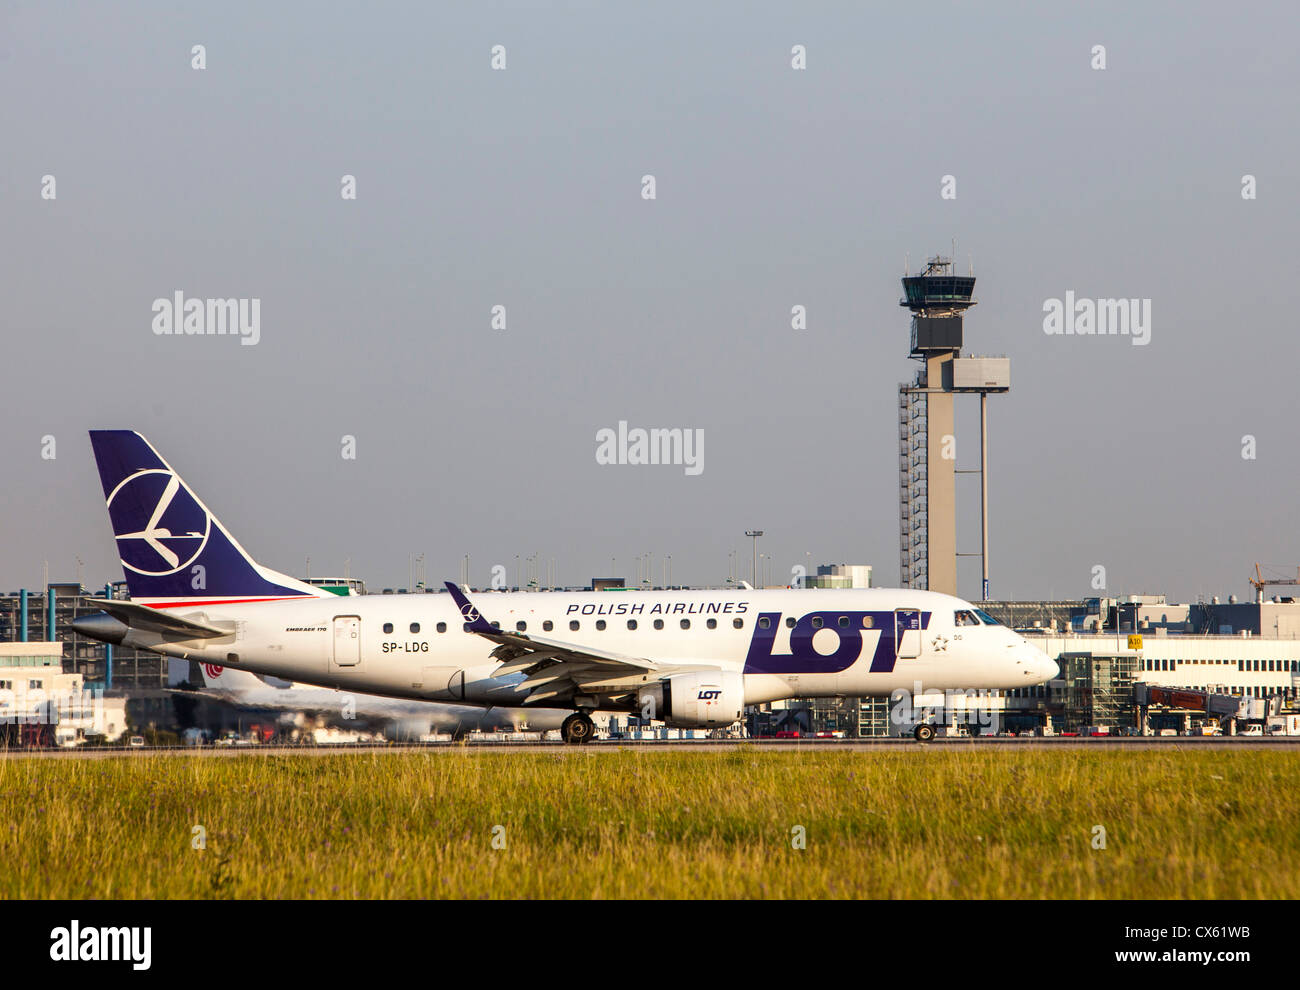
(688, 658)
(397, 719)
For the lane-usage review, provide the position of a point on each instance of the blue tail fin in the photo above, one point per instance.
(170, 543)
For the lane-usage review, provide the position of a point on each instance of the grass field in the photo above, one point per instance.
(929, 822)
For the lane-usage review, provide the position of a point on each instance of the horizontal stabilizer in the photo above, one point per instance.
(142, 617)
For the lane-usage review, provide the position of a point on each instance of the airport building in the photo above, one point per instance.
(43, 705)
(30, 616)
(840, 576)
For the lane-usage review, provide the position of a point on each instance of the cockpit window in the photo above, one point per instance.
(987, 619)
(964, 617)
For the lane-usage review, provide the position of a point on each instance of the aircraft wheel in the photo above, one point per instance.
(578, 728)
(923, 733)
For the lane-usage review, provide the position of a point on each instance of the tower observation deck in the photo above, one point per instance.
(938, 299)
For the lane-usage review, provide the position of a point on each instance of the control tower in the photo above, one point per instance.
(938, 299)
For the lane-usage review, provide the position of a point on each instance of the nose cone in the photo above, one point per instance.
(101, 626)
(1042, 667)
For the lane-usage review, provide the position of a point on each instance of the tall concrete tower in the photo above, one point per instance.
(938, 299)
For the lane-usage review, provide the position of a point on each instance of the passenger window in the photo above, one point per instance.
(548, 625)
(686, 623)
(496, 625)
(521, 626)
(764, 622)
(712, 623)
(415, 627)
(631, 623)
(659, 623)
(600, 625)
(817, 622)
(573, 625)
(844, 622)
(789, 622)
(388, 627)
(868, 622)
(738, 623)
(442, 627)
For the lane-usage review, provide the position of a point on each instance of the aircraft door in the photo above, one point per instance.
(347, 640)
(907, 633)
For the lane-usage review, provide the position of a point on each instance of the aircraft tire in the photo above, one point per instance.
(923, 733)
(578, 729)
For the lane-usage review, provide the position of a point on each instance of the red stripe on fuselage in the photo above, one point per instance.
(223, 601)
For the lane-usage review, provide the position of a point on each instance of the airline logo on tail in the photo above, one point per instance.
(157, 549)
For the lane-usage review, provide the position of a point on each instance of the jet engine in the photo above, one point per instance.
(705, 699)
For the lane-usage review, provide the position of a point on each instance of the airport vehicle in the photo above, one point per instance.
(693, 659)
(397, 719)
(1284, 725)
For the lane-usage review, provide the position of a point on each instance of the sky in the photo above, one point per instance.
(774, 187)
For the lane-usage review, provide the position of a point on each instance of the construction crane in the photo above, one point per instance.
(1260, 582)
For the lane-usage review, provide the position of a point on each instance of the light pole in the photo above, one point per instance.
(754, 534)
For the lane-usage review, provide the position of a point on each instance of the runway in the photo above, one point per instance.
(683, 745)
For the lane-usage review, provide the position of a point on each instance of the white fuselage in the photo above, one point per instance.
(786, 643)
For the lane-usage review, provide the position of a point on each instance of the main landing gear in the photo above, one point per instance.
(923, 732)
(578, 728)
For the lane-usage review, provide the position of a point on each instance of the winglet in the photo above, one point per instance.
(474, 622)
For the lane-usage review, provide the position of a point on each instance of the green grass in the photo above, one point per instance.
(924, 822)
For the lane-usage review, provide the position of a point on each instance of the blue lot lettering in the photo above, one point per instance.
(709, 695)
(804, 659)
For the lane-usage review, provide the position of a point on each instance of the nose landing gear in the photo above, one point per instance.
(923, 732)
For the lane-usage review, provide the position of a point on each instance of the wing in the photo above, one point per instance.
(556, 669)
